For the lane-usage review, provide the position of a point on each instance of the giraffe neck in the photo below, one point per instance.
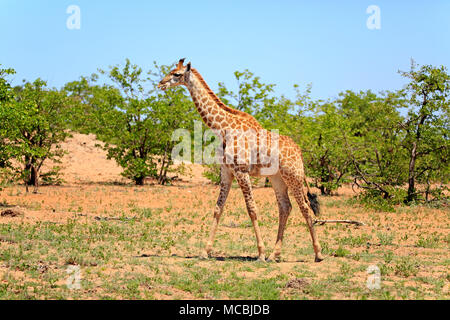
(209, 106)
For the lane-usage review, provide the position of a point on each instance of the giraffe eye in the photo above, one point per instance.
(177, 75)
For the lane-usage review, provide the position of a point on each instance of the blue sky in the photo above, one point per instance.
(326, 43)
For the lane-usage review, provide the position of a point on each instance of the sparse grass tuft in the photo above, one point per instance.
(144, 243)
(406, 267)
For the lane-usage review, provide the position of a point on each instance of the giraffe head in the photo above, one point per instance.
(176, 77)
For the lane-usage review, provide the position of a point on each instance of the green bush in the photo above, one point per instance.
(212, 173)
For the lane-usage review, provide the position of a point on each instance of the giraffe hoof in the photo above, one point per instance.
(261, 259)
(318, 258)
(273, 258)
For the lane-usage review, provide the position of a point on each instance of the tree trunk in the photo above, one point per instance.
(411, 174)
(32, 177)
(161, 175)
(324, 191)
(139, 181)
(412, 161)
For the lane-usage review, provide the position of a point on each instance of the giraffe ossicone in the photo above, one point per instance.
(252, 151)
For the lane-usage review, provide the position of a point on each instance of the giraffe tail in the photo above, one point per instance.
(314, 203)
(313, 200)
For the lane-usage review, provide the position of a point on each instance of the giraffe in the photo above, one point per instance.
(282, 161)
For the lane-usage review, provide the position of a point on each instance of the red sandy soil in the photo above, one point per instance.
(85, 162)
(94, 188)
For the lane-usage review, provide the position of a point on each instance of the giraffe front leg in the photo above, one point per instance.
(226, 179)
(244, 182)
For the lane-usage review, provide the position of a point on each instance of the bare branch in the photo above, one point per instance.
(322, 222)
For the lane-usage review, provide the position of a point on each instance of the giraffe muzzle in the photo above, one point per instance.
(163, 86)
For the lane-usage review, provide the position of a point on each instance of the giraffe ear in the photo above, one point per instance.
(188, 66)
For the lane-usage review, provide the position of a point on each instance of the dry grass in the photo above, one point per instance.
(143, 242)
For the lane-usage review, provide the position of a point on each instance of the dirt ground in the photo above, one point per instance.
(129, 242)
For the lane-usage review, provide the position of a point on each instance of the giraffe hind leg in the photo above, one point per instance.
(295, 184)
(243, 178)
(284, 207)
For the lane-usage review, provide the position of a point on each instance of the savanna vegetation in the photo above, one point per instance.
(394, 146)
(377, 157)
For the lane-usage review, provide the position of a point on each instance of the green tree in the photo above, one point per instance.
(372, 137)
(36, 126)
(133, 118)
(6, 96)
(90, 103)
(251, 95)
(326, 160)
(6, 93)
(427, 129)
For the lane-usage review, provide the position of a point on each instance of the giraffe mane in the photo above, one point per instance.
(222, 105)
